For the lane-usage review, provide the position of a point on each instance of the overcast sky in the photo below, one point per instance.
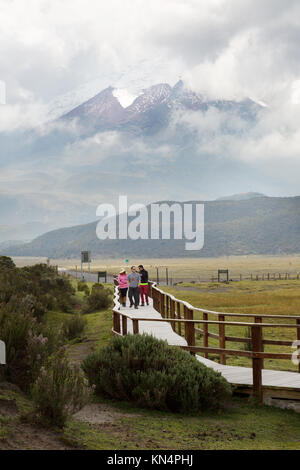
(223, 48)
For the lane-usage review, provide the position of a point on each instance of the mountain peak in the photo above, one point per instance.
(151, 97)
(104, 106)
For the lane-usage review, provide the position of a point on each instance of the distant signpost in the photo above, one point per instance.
(85, 259)
(221, 272)
(102, 274)
(167, 274)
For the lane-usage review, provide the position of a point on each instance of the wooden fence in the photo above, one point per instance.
(180, 315)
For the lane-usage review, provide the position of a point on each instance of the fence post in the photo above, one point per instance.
(205, 334)
(259, 320)
(124, 325)
(256, 337)
(117, 325)
(222, 341)
(189, 328)
(135, 325)
(173, 324)
(162, 305)
(298, 338)
(179, 318)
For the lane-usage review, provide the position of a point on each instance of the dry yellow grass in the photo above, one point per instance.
(195, 268)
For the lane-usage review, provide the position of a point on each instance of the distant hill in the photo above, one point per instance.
(263, 225)
(241, 197)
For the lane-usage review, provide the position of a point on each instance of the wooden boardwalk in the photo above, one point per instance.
(276, 384)
(160, 330)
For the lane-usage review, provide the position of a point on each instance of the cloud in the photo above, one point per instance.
(223, 47)
(55, 54)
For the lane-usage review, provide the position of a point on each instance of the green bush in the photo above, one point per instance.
(100, 297)
(60, 391)
(83, 287)
(28, 344)
(40, 285)
(74, 326)
(6, 263)
(152, 374)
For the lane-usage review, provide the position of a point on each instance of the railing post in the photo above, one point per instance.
(162, 305)
(189, 327)
(117, 325)
(256, 336)
(135, 326)
(298, 339)
(259, 320)
(222, 341)
(179, 318)
(173, 324)
(205, 333)
(167, 306)
(154, 298)
(124, 325)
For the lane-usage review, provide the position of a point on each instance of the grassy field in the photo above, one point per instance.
(252, 297)
(189, 268)
(106, 424)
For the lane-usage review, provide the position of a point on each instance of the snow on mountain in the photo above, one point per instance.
(151, 97)
(124, 96)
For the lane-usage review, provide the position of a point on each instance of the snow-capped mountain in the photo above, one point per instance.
(151, 110)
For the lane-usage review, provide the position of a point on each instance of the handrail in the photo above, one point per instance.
(169, 308)
(228, 314)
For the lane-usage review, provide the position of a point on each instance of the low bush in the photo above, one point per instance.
(39, 285)
(83, 287)
(152, 374)
(28, 344)
(60, 391)
(74, 326)
(6, 263)
(100, 297)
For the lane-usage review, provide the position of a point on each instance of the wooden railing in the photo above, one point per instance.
(180, 315)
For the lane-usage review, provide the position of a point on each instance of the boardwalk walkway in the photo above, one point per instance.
(277, 384)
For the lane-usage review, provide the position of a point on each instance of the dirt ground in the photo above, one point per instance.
(100, 413)
(23, 436)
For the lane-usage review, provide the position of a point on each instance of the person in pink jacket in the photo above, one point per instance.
(123, 286)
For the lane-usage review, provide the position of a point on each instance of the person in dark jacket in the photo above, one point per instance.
(143, 285)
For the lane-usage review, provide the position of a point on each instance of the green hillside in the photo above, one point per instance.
(262, 225)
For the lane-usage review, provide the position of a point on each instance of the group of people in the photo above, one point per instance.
(136, 284)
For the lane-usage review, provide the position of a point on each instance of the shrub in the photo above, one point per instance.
(83, 287)
(152, 374)
(60, 391)
(100, 297)
(74, 326)
(28, 344)
(31, 304)
(6, 263)
(41, 282)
